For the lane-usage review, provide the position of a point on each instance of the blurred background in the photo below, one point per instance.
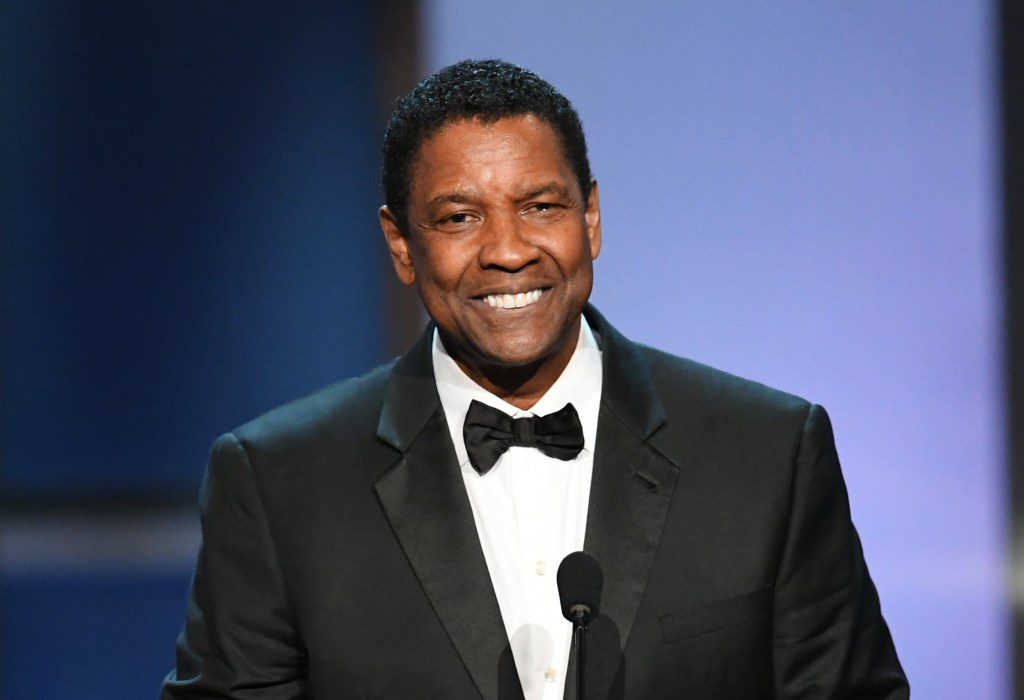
(826, 197)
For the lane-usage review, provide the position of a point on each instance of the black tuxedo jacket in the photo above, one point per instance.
(340, 558)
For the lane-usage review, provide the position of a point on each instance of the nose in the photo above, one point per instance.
(506, 246)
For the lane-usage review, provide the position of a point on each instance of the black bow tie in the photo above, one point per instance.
(488, 433)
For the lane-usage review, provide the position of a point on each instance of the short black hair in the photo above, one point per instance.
(485, 90)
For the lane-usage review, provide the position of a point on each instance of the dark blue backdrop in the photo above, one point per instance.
(190, 231)
(188, 239)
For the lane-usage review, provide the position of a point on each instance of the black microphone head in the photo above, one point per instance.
(579, 587)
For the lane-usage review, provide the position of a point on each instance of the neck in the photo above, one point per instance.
(521, 385)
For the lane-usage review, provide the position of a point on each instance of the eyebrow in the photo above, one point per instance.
(537, 191)
(453, 197)
(547, 188)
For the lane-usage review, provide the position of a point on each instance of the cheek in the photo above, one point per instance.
(439, 268)
(444, 276)
(576, 258)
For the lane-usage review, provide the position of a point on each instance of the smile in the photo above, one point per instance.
(513, 301)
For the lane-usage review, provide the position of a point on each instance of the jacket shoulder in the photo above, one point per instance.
(738, 435)
(351, 406)
(685, 386)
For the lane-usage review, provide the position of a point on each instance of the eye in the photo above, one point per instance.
(456, 222)
(544, 210)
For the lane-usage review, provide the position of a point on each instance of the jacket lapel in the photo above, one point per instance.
(426, 503)
(633, 482)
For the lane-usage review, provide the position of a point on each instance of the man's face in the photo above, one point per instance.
(500, 240)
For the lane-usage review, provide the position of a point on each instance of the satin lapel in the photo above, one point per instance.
(633, 482)
(426, 503)
(629, 499)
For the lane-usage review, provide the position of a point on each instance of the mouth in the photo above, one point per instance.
(516, 300)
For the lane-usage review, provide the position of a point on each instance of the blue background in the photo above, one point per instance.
(189, 238)
(190, 234)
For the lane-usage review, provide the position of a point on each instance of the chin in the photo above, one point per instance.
(516, 354)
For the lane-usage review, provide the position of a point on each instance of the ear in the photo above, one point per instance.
(398, 246)
(592, 218)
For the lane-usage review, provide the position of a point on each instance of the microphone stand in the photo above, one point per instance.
(580, 614)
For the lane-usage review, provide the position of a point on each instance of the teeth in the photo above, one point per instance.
(513, 301)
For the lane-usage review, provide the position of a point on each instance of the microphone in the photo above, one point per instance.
(579, 587)
(579, 591)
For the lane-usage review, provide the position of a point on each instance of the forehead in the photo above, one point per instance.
(505, 153)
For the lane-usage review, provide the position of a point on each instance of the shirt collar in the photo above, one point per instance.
(579, 384)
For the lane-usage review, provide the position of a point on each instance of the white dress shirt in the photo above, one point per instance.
(530, 510)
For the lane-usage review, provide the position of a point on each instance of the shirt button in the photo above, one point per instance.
(550, 675)
(541, 568)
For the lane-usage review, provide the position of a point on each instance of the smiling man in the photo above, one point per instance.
(397, 534)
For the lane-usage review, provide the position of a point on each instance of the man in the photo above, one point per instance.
(396, 535)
